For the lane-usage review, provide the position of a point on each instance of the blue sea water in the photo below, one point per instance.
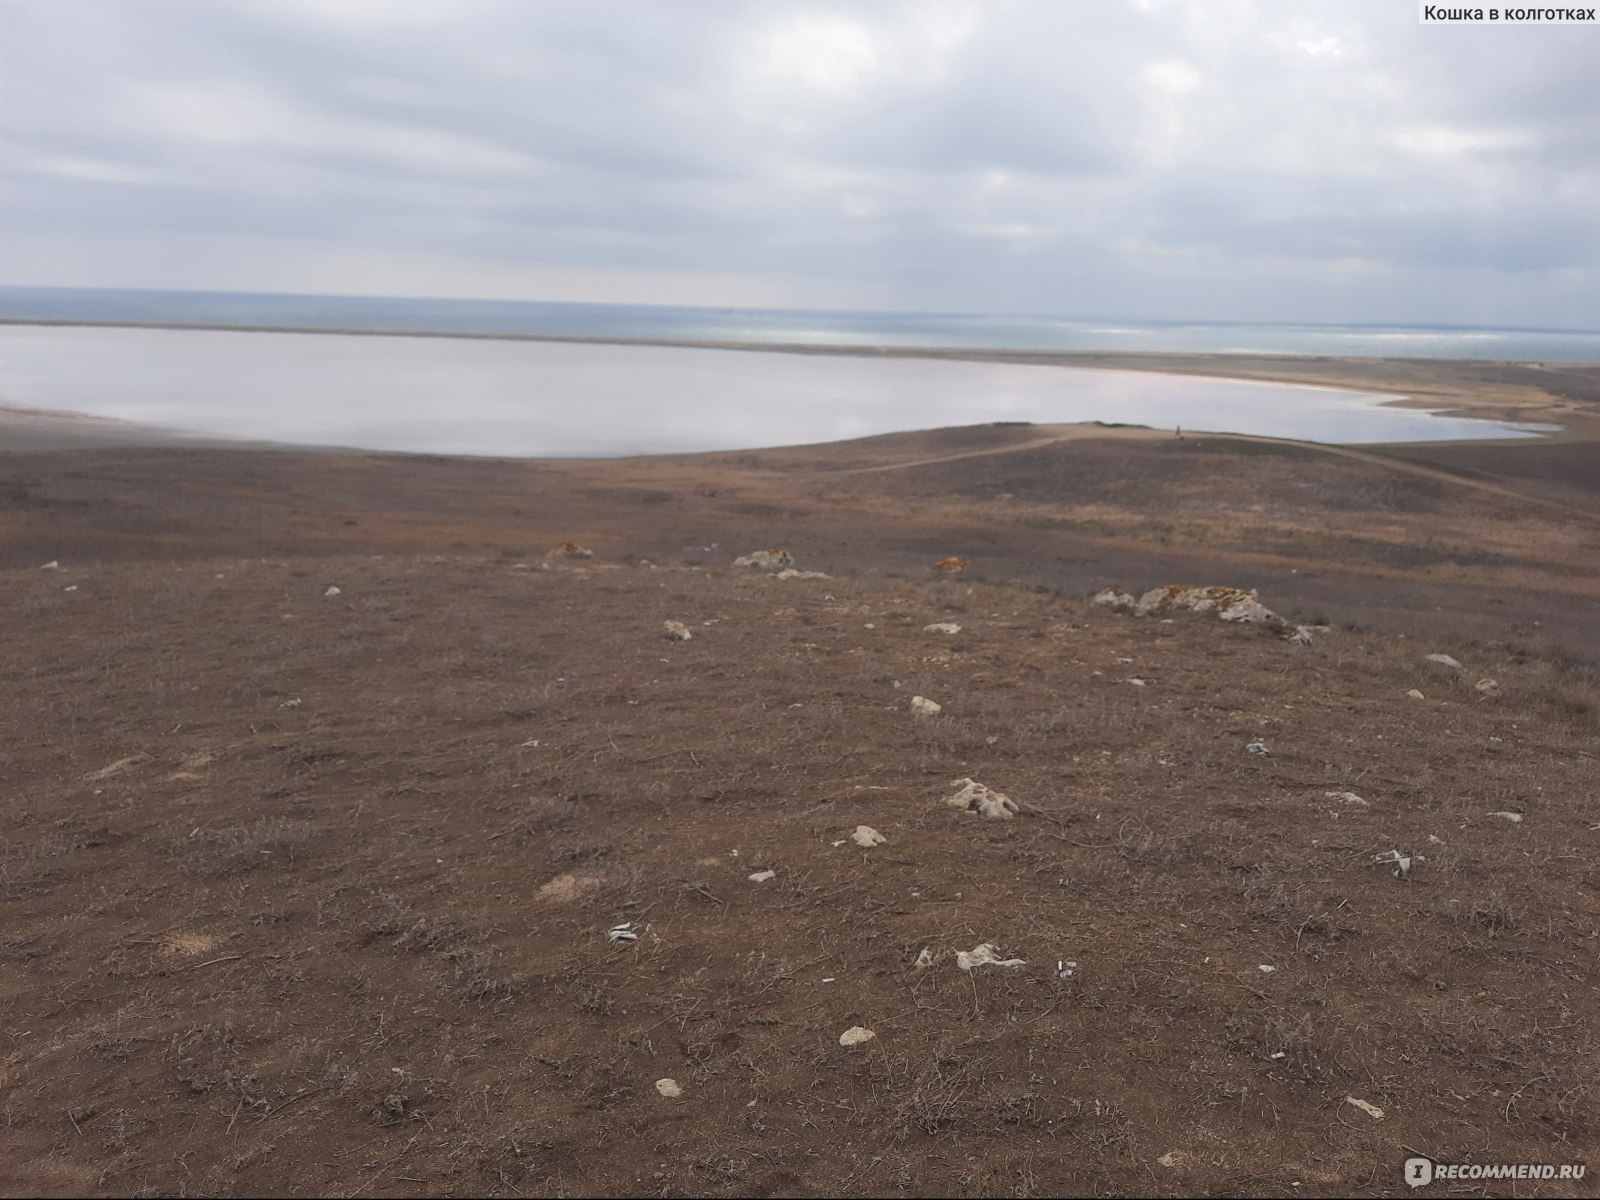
(793, 326)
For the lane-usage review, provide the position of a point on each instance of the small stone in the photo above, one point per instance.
(986, 954)
(949, 627)
(669, 1088)
(762, 876)
(1444, 660)
(1514, 817)
(1266, 968)
(1347, 798)
(332, 591)
(52, 565)
(1394, 858)
(855, 1036)
(1487, 686)
(867, 837)
(1416, 695)
(975, 797)
(923, 707)
(766, 560)
(678, 630)
(1372, 1110)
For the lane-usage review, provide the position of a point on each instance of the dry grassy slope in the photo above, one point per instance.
(1327, 533)
(289, 904)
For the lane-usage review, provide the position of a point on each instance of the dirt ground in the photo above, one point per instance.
(307, 892)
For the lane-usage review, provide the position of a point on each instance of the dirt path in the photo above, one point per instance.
(1364, 456)
(1036, 444)
(1483, 485)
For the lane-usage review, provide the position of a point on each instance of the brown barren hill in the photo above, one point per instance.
(326, 790)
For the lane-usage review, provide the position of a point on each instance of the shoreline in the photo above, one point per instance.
(1566, 395)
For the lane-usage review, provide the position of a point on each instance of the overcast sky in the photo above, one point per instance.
(1224, 159)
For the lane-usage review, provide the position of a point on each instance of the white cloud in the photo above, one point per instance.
(1445, 142)
(830, 54)
(1172, 76)
(1323, 47)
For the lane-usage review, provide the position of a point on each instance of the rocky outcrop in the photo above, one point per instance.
(1239, 605)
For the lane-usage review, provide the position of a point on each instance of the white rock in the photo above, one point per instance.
(923, 707)
(52, 565)
(762, 876)
(791, 573)
(677, 629)
(1249, 610)
(924, 959)
(1266, 968)
(1514, 817)
(973, 796)
(1155, 600)
(856, 1035)
(1257, 747)
(942, 627)
(1416, 695)
(332, 591)
(1444, 660)
(766, 560)
(669, 1088)
(867, 837)
(1488, 686)
(1347, 798)
(985, 955)
(1372, 1110)
(1393, 858)
(1229, 603)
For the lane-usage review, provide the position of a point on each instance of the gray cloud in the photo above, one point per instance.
(1233, 159)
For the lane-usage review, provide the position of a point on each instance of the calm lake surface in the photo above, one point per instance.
(475, 396)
